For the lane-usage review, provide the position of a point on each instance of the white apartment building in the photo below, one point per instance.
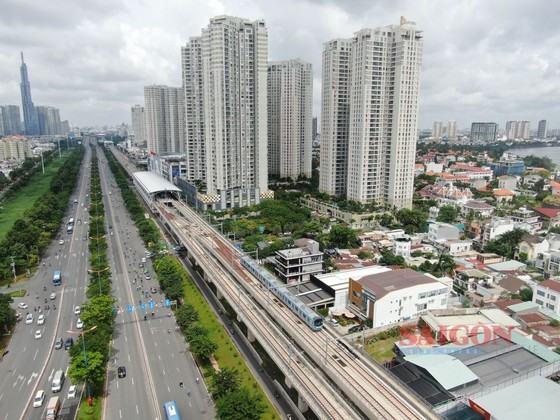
(395, 296)
(518, 130)
(451, 130)
(498, 226)
(296, 265)
(334, 117)
(10, 120)
(14, 148)
(438, 231)
(381, 96)
(138, 119)
(547, 295)
(225, 88)
(290, 103)
(437, 131)
(164, 119)
(49, 120)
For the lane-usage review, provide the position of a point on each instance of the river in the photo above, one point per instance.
(551, 152)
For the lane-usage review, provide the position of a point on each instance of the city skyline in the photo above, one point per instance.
(469, 72)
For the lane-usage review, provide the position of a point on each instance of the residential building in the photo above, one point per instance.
(29, 112)
(401, 246)
(477, 206)
(138, 118)
(531, 246)
(437, 130)
(508, 164)
(225, 90)
(502, 196)
(290, 103)
(518, 130)
(395, 296)
(438, 231)
(484, 132)
(526, 219)
(507, 182)
(451, 130)
(14, 148)
(496, 227)
(456, 247)
(380, 97)
(467, 281)
(164, 119)
(169, 167)
(435, 168)
(542, 129)
(296, 265)
(10, 120)
(49, 120)
(547, 295)
(335, 113)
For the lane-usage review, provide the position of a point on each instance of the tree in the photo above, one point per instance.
(342, 236)
(239, 405)
(446, 264)
(506, 244)
(186, 315)
(195, 330)
(389, 258)
(526, 294)
(92, 372)
(413, 220)
(98, 311)
(7, 314)
(225, 381)
(365, 255)
(202, 347)
(447, 214)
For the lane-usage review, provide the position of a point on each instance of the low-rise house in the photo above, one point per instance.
(395, 296)
(507, 182)
(456, 247)
(550, 217)
(446, 193)
(526, 219)
(495, 228)
(554, 187)
(298, 264)
(531, 246)
(477, 207)
(547, 295)
(502, 195)
(489, 258)
(466, 281)
(530, 180)
(438, 231)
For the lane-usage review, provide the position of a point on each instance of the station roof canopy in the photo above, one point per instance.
(152, 183)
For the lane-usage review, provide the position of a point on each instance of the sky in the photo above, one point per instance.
(484, 60)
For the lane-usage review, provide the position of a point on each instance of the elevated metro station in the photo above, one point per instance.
(152, 186)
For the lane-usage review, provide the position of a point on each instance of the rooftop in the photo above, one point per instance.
(153, 183)
(502, 192)
(382, 284)
(510, 265)
(548, 212)
(477, 204)
(551, 284)
(536, 397)
(523, 306)
(449, 371)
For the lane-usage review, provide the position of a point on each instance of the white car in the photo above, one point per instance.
(22, 305)
(39, 399)
(72, 392)
(77, 310)
(29, 319)
(38, 334)
(41, 319)
(79, 324)
(61, 242)
(52, 296)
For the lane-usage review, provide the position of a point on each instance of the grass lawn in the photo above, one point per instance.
(90, 413)
(18, 293)
(14, 207)
(227, 354)
(382, 350)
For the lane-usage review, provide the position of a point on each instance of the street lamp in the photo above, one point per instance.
(82, 333)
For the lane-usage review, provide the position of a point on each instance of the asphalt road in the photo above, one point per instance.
(152, 351)
(30, 363)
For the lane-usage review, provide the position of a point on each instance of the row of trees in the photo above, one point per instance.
(89, 358)
(233, 401)
(7, 313)
(34, 230)
(20, 177)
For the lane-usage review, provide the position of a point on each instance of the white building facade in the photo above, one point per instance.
(138, 120)
(290, 102)
(164, 118)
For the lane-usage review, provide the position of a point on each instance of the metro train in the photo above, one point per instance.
(312, 319)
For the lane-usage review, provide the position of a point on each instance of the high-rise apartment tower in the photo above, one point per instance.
(165, 118)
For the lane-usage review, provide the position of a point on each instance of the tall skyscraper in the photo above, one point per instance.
(451, 130)
(165, 118)
(333, 154)
(49, 120)
(290, 97)
(138, 119)
(542, 129)
(518, 130)
(10, 120)
(29, 111)
(379, 87)
(484, 131)
(437, 131)
(225, 82)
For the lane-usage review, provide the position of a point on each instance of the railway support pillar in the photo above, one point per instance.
(250, 336)
(288, 382)
(302, 404)
(219, 294)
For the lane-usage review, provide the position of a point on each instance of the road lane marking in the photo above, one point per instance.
(36, 353)
(120, 414)
(51, 375)
(129, 357)
(163, 372)
(117, 384)
(159, 357)
(173, 355)
(14, 372)
(33, 375)
(137, 412)
(132, 380)
(1, 396)
(66, 371)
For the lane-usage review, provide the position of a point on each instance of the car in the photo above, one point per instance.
(79, 324)
(58, 343)
(334, 321)
(68, 343)
(39, 399)
(148, 277)
(355, 329)
(61, 242)
(121, 372)
(38, 334)
(18, 316)
(143, 260)
(41, 319)
(75, 201)
(72, 391)
(153, 290)
(29, 319)
(84, 238)
(77, 310)
(52, 296)
(23, 305)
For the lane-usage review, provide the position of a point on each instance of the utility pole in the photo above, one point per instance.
(59, 152)
(42, 163)
(13, 264)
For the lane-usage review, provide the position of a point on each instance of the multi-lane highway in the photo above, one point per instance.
(30, 363)
(152, 351)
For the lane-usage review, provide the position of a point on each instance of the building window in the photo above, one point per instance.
(538, 301)
(540, 292)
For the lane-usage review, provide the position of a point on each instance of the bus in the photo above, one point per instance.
(57, 278)
(171, 412)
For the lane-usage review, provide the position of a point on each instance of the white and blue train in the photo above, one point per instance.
(312, 319)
